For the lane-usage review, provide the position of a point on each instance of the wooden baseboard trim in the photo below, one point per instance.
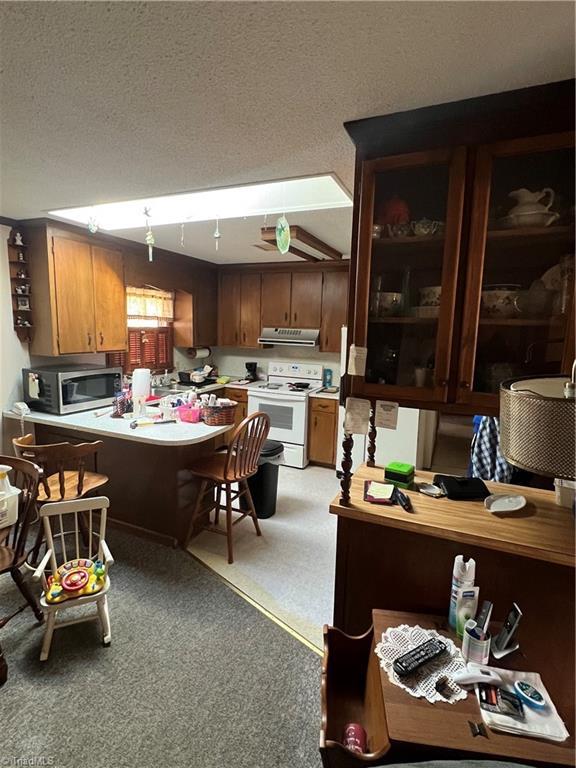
(145, 533)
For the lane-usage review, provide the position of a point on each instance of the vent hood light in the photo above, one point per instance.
(310, 193)
(289, 337)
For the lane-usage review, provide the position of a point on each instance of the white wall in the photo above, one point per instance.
(230, 362)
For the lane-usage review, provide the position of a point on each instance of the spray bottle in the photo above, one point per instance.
(463, 576)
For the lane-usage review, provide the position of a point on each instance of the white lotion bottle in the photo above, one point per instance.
(463, 575)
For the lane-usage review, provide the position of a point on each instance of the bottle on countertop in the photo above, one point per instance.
(463, 576)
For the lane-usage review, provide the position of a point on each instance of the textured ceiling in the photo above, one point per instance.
(103, 101)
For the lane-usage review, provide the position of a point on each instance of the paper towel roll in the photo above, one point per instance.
(199, 353)
(141, 382)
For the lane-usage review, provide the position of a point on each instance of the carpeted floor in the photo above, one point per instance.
(289, 570)
(195, 676)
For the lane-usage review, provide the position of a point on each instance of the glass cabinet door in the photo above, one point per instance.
(409, 240)
(518, 313)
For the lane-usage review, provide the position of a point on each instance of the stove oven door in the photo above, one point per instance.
(288, 415)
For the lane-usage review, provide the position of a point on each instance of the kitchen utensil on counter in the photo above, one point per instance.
(430, 296)
(251, 371)
(500, 300)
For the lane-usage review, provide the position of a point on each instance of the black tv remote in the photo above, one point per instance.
(414, 659)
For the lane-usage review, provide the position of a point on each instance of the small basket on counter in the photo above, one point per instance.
(219, 415)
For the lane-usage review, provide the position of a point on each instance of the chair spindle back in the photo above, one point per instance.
(24, 475)
(245, 446)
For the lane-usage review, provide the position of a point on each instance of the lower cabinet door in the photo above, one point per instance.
(322, 437)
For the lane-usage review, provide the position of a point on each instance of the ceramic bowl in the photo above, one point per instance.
(430, 296)
(427, 312)
(500, 301)
(389, 303)
(529, 219)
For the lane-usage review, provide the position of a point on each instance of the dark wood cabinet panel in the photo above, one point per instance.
(249, 310)
(276, 294)
(334, 308)
(306, 304)
(229, 310)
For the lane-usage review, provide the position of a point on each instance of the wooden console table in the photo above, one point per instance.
(399, 561)
(399, 727)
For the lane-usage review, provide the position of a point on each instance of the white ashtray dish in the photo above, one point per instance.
(503, 502)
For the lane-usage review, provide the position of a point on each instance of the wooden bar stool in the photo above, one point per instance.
(26, 476)
(219, 471)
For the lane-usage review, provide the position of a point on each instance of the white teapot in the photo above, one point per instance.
(529, 211)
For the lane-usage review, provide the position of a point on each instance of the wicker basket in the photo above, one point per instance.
(218, 415)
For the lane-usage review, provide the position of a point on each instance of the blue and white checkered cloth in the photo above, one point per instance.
(487, 461)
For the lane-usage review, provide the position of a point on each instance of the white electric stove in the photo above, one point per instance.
(284, 397)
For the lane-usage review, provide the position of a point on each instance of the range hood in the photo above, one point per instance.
(289, 337)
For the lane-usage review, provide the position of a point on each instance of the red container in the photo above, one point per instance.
(355, 738)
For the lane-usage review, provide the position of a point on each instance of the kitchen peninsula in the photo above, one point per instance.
(153, 491)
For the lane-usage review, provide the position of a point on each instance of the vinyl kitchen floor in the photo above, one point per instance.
(289, 570)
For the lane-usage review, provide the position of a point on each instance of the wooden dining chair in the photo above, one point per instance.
(221, 470)
(26, 476)
(65, 475)
(86, 566)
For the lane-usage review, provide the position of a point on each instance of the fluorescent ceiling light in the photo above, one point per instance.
(306, 194)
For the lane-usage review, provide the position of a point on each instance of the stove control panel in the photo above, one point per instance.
(295, 370)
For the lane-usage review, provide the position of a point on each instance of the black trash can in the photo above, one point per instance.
(264, 484)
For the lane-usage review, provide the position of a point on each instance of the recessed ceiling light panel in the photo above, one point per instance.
(311, 193)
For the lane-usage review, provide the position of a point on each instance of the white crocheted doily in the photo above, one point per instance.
(422, 684)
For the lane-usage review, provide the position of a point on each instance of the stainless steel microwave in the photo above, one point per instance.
(68, 389)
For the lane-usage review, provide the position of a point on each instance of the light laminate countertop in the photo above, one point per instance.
(180, 433)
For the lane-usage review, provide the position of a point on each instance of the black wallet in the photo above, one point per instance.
(462, 488)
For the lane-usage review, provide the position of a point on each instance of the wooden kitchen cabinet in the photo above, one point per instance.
(80, 300)
(276, 296)
(74, 291)
(334, 308)
(195, 315)
(249, 309)
(453, 291)
(241, 397)
(229, 310)
(322, 430)
(109, 299)
(239, 309)
(306, 303)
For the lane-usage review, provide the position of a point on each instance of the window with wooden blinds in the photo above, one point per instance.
(147, 348)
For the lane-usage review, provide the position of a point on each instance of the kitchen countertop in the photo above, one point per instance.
(181, 433)
(327, 395)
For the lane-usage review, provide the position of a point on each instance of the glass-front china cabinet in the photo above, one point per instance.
(463, 255)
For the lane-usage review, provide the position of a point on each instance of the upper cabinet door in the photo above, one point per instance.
(334, 309)
(306, 302)
(74, 296)
(407, 273)
(109, 299)
(229, 310)
(249, 310)
(276, 292)
(518, 309)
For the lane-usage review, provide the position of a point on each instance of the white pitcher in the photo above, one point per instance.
(529, 202)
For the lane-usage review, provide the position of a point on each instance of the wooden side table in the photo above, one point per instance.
(400, 727)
